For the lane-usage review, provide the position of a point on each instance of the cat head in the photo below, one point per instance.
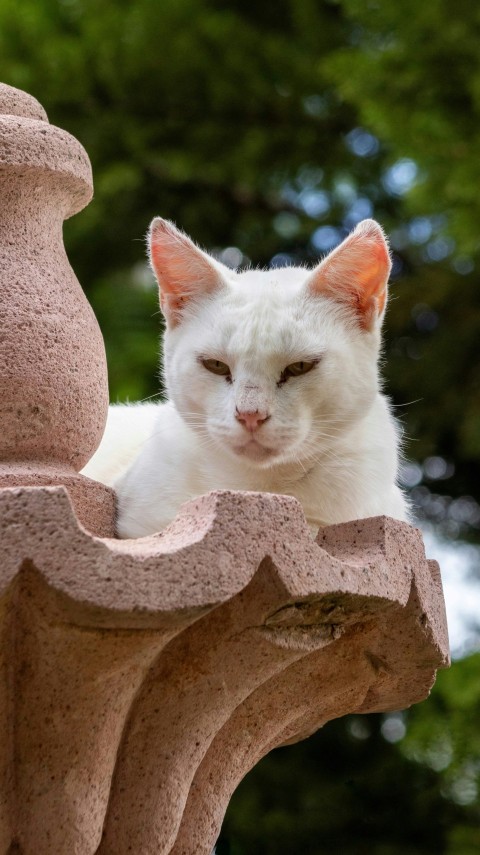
(271, 366)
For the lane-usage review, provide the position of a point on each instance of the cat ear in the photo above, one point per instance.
(356, 273)
(183, 271)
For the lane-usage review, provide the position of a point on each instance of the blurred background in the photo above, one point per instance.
(267, 130)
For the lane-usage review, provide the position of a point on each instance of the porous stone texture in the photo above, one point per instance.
(53, 381)
(143, 678)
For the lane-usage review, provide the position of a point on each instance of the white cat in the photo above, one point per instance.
(273, 385)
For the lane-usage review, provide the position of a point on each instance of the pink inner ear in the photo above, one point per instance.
(168, 268)
(183, 271)
(357, 272)
(372, 280)
(175, 259)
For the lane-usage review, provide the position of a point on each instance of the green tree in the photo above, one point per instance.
(416, 83)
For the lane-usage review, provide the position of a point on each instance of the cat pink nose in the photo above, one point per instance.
(251, 420)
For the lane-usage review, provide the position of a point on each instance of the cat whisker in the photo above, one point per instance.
(319, 455)
(150, 397)
(407, 403)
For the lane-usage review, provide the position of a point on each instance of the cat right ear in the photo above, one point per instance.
(356, 274)
(183, 271)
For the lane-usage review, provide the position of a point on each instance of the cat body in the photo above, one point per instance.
(273, 386)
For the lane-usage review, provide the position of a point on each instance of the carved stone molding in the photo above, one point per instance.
(144, 678)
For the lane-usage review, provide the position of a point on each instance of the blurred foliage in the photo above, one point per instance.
(194, 108)
(443, 734)
(127, 306)
(267, 131)
(417, 85)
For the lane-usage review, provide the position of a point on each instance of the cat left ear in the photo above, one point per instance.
(183, 271)
(356, 273)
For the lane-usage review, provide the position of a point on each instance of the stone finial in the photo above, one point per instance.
(53, 380)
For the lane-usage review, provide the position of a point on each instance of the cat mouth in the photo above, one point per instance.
(254, 450)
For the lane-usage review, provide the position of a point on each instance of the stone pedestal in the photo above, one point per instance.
(53, 376)
(141, 679)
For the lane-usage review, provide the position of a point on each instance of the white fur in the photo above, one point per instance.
(330, 439)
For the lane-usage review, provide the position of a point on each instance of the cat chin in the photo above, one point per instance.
(255, 452)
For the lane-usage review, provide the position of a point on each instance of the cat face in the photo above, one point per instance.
(271, 366)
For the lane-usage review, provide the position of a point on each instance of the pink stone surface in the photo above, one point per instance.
(141, 679)
(53, 381)
(134, 668)
(15, 102)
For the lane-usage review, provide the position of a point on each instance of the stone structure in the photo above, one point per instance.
(142, 679)
(53, 377)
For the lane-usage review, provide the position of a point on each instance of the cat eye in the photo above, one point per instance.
(216, 367)
(296, 369)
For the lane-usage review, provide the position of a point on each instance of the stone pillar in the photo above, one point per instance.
(53, 379)
(141, 679)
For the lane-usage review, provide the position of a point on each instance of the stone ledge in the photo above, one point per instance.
(143, 678)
